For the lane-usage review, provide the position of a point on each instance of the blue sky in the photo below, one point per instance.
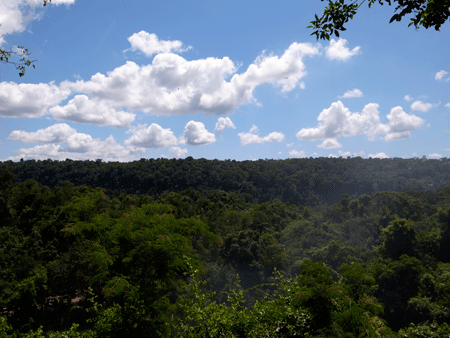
(124, 80)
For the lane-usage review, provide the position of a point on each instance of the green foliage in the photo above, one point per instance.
(271, 317)
(139, 257)
(23, 62)
(358, 281)
(425, 330)
(424, 13)
(398, 238)
(4, 327)
(422, 309)
(316, 293)
(340, 309)
(398, 281)
(335, 254)
(318, 180)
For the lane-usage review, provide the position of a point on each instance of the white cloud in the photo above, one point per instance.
(153, 136)
(15, 15)
(29, 100)
(77, 145)
(223, 123)
(56, 133)
(169, 85)
(81, 109)
(447, 105)
(251, 137)
(408, 98)
(289, 145)
(178, 151)
(346, 154)
(297, 153)
(442, 75)
(285, 71)
(352, 93)
(337, 50)
(254, 129)
(274, 137)
(149, 44)
(421, 106)
(196, 134)
(172, 85)
(338, 121)
(378, 155)
(330, 143)
(435, 155)
(400, 124)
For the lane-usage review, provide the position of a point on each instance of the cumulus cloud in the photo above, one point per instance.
(337, 50)
(56, 133)
(330, 143)
(149, 44)
(447, 105)
(196, 134)
(169, 85)
(400, 124)
(435, 155)
(297, 153)
(421, 106)
(16, 15)
(252, 137)
(178, 151)
(442, 75)
(173, 85)
(81, 109)
(408, 98)
(29, 100)
(378, 155)
(352, 93)
(62, 141)
(223, 123)
(153, 136)
(285, 71)
(289, 145)
(338, 121)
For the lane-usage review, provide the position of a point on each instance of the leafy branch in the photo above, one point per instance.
(426, 13)
(21, 52)
(23, 62)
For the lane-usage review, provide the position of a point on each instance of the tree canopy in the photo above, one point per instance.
(425, 13)
(76, 261)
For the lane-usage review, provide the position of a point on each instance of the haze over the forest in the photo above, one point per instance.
(238, 80)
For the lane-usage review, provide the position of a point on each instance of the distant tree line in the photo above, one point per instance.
(309, 182)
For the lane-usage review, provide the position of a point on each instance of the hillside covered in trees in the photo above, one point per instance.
(304, 181)
(238, 256)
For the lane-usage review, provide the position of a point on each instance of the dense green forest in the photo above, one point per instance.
(303, 181)
(197, 248)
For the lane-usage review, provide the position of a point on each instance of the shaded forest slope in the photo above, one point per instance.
(309, 182)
